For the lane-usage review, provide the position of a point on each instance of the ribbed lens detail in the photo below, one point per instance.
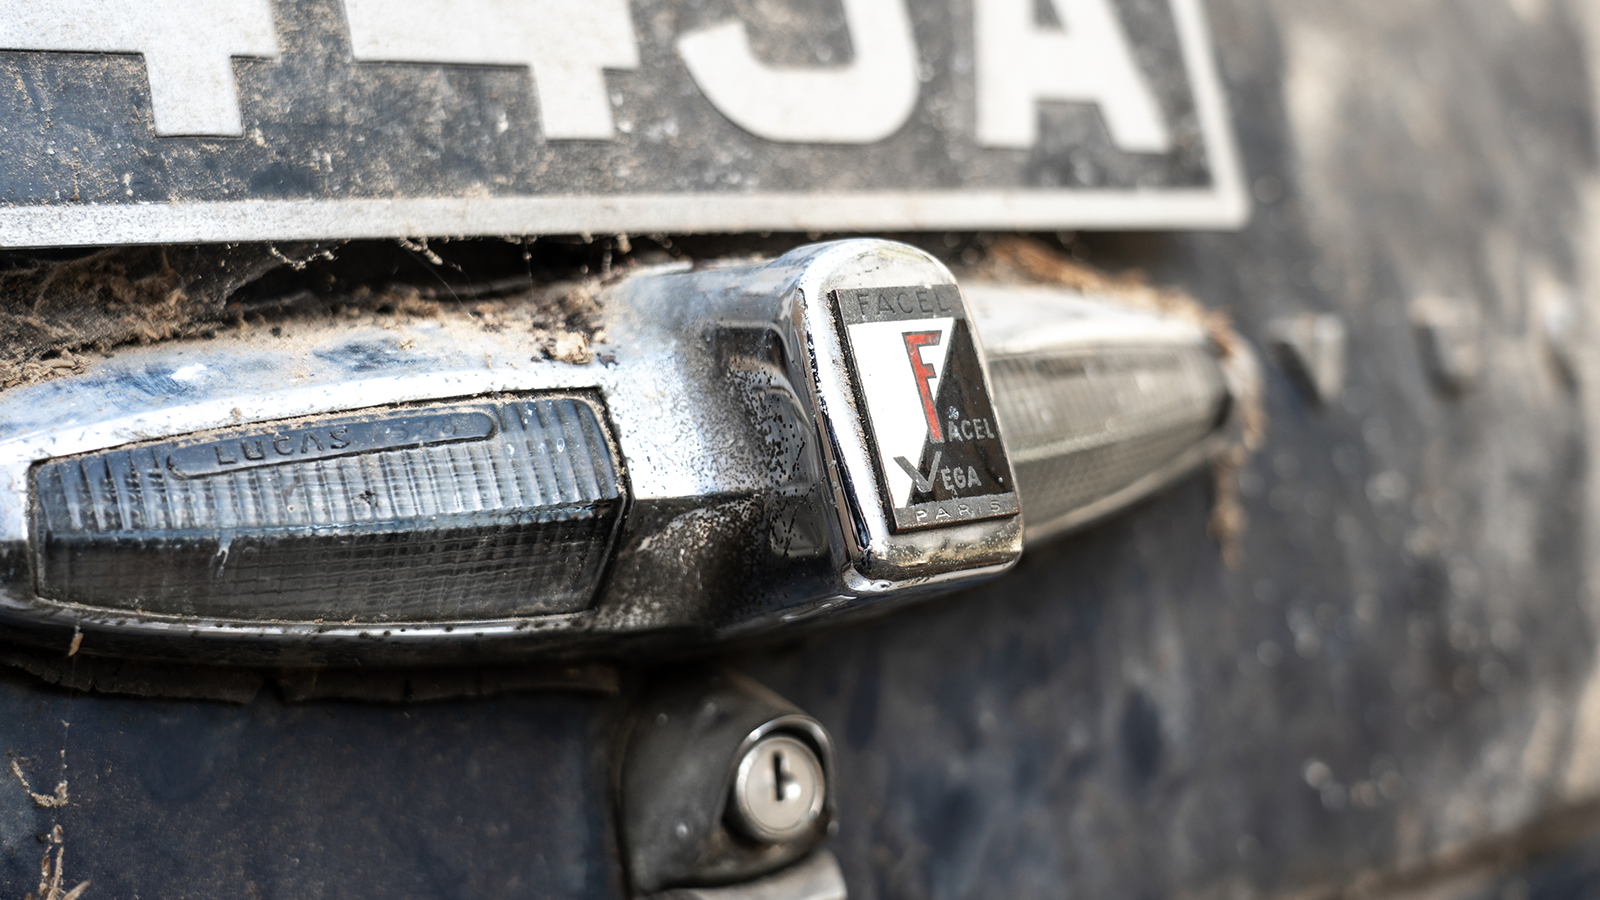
(444, 512)
(1082, 425)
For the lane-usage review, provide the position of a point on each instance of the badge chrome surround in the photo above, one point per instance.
(926, 405)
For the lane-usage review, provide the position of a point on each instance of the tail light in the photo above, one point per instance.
(1101, 404)
(418, 514)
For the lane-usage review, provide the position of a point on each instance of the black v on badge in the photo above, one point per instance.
(921, 388)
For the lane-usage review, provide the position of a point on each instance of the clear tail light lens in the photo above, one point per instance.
(441, 512)
(1084, 427)
(1100, 404)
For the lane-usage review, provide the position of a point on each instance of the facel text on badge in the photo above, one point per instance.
(959, 429)
(923, 300)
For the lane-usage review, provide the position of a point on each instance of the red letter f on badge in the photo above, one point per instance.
(925, 374)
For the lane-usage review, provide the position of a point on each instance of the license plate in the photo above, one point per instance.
(174, 120)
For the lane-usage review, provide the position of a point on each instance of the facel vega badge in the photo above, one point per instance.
(927, 408)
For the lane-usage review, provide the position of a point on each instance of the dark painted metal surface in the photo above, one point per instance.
(488, 798)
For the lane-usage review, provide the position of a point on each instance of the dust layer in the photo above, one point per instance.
(60, 310)
(54, 311)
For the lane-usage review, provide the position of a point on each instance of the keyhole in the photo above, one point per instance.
(781, 779)
(779, 790)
